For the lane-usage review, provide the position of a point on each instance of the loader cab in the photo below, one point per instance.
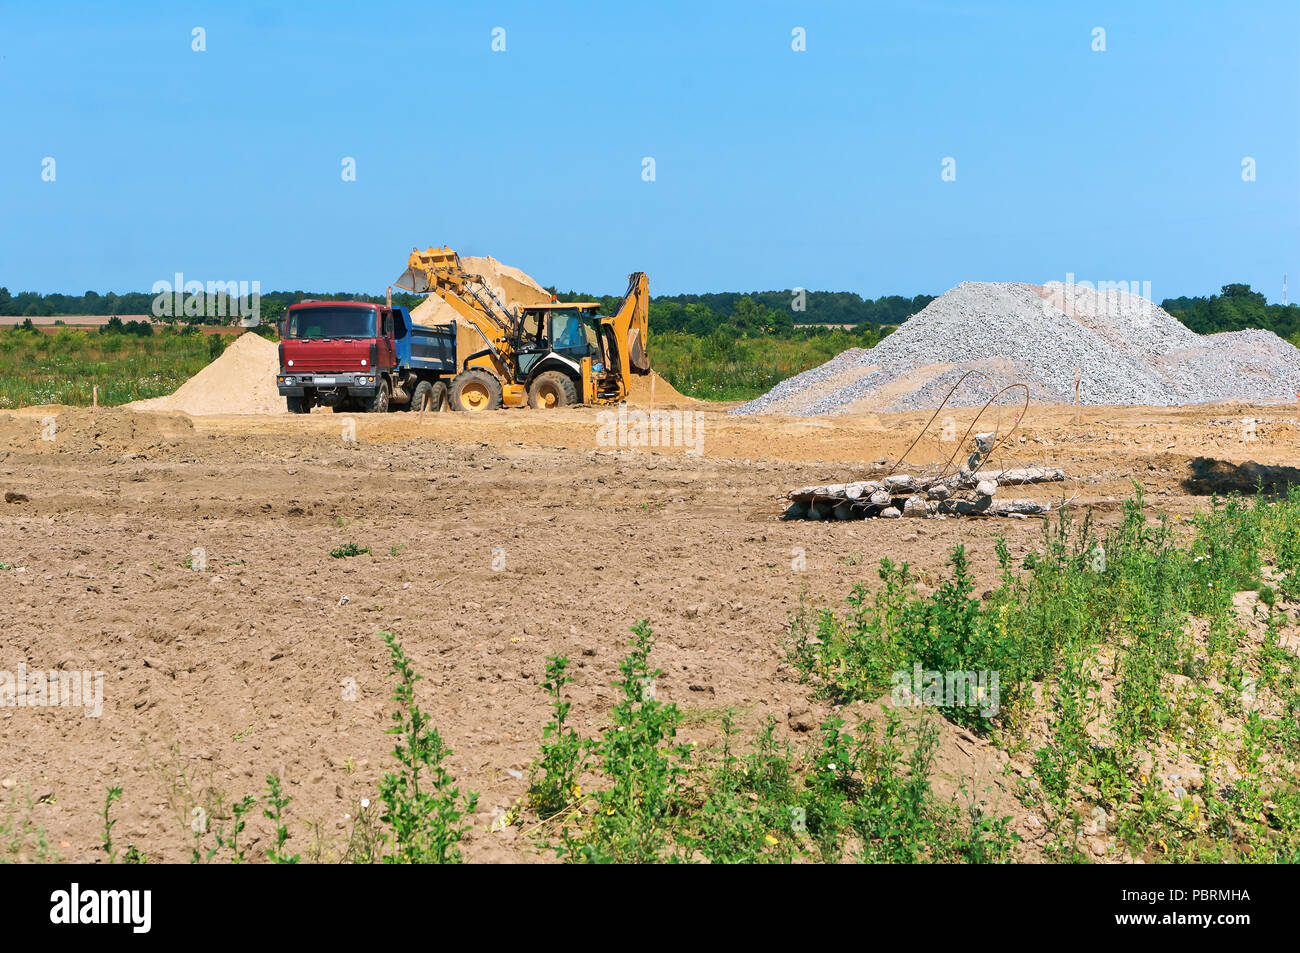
(558, 332)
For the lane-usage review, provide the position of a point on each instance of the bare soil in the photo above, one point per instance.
(495, 541)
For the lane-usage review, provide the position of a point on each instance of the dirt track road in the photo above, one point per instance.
(494, 543)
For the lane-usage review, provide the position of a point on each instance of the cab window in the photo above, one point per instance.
(569, 336)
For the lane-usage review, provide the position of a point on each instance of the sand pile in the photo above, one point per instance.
(1127, 351)
(240, 381)
(511, 285)
(665, 395)
(519, 288)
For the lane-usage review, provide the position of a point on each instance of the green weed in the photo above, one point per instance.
(563, 754)
(422, 806)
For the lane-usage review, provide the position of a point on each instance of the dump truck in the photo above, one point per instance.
(356, 356)
(548, 355)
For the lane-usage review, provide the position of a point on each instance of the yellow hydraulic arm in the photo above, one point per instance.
(440, 270)
(631, 325)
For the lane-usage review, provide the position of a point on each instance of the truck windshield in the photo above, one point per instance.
(316, 324)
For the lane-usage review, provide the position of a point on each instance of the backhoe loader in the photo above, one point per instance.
(549, 355)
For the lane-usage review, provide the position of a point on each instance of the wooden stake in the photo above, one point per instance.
(1076, 395)
(94, 395)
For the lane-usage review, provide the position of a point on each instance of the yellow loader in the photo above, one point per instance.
(550, 355)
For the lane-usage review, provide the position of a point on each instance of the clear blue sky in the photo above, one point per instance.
(775, 168)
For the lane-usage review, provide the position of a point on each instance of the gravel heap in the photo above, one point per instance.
(1127, 350)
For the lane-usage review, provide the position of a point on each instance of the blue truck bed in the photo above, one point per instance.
(423, 348)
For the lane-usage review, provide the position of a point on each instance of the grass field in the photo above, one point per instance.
(722, 367)
(63, 367)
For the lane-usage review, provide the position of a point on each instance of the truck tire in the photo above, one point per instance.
(475, 390)
(552, 389)
(297, 405)
(435, 392)
(379, 403)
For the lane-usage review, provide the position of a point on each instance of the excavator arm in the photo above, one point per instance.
(631, 325)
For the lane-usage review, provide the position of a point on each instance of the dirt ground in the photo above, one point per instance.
(495, 542)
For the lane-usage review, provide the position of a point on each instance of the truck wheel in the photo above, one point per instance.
(379, 403)
(475, 390)
(435, 393)
(552, 389)
(297, 405)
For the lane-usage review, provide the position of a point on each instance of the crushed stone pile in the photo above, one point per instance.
(1127, 351)
(240, 381)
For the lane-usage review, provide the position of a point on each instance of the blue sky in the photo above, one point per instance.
(773, 168)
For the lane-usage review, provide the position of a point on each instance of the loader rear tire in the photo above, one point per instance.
(475, 390)
(297, 405)
(552, 389)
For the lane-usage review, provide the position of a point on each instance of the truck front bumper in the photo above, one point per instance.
(291, 384)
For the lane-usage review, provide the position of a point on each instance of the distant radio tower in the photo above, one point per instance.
(1284, 291)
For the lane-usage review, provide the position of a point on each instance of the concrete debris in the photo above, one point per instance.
(968, 492)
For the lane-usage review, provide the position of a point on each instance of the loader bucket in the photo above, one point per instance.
(423, 265)
(413, 280)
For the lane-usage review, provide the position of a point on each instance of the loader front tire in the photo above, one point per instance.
(552, 389)
(475, 390)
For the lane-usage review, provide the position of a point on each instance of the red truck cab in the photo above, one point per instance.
(360, 356)
(335, 353)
